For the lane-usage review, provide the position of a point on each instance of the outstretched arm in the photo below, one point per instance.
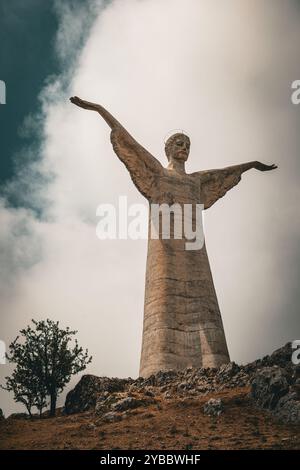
(216, 183)
(249, 165)
(108, 118)
(236, 170)
(142, 166)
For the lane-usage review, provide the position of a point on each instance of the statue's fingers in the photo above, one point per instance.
(272, 167)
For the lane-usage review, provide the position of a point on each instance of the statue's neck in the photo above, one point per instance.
(177, 166)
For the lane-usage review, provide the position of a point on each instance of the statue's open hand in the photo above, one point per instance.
(262, 167)
(81, 103)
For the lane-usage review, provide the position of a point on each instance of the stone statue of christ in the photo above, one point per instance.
(182, 321)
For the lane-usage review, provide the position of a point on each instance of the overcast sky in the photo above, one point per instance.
(222, 71)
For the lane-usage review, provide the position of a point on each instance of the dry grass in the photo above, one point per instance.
(170, 424)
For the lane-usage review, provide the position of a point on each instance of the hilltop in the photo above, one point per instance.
(233, 407)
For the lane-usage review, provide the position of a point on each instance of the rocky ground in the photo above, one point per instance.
(256, 406)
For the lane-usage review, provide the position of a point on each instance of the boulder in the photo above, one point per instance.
(276, 389)
(281, 357)
(268, 386)
(85, 394)
(288, 408)
(130, 403)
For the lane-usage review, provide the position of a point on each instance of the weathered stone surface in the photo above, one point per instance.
(88, 389)
(280, 357)
(105, 402)
(213, 407)
(182, 321)
(275, 388)
(1, 415)
(120, 402)
(268, 386)
(288, 408)
(130, 403)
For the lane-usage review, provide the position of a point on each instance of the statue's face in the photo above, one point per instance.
(178, 147)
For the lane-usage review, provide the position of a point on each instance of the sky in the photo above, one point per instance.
(220, 71)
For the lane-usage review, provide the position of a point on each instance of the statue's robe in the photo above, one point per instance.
(182, 321)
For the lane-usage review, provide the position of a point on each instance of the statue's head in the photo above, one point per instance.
(177, 147)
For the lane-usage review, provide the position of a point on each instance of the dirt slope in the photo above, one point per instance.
(171, 423)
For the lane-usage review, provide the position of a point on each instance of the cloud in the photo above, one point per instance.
(222, 73)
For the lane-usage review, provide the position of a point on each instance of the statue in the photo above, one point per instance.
(182, 321)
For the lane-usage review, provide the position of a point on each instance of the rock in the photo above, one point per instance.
(121, 401)
(288, 408)
(271, 378)
(111, 417)
(1, 415)
(128, 403)
(226, 371)
(183, 386)
(86, 392)
(276, 389)
(281, 357)
(105, 405)
(149, 393)
(268, 386)
(213, 407)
